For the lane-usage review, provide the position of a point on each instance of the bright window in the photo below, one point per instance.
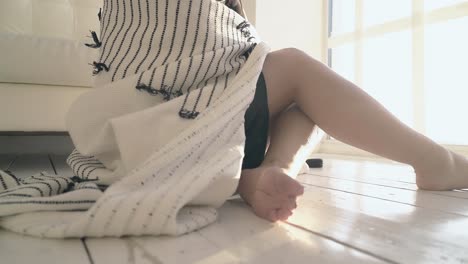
(411, 55)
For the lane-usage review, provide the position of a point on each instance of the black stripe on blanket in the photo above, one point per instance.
(89, 165)
(151, 39)
(3, 183)
(80, 158)
(8, 180)
(56, 181)
(115, 26)
(184, 113)
(40, 181)
(105, 17)
(141, 38)
(123, 39)
(16, 195)
(163, 34)
(211, 61)
(107, 26)
(84, 161)
(47, 202)
(41, 193)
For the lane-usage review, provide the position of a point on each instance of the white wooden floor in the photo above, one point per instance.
(351, 212)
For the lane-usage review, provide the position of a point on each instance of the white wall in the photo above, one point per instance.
(250, 9)
(289, 23)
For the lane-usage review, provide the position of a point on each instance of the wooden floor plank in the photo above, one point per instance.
(60, 165)
(420, 199)
(6, 160)
(435, 222)
(30, 164)
(244, 238)
(237, 237)
(351, 212)
(185, 249)
(369, 179)
(214, 245)
(421, 227)
(379, 173)
(391, 171)
(15, 248)
(390, 240)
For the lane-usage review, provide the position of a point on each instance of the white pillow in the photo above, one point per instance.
(44, 60)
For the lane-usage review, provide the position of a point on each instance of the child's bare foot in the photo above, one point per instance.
(271, 193)
(448, 173)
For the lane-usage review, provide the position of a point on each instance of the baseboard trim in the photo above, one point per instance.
(58, 143)
(34, 133)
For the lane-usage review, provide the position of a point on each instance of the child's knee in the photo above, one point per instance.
(292, 55)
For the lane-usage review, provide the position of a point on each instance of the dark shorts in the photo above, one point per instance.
(256, 127)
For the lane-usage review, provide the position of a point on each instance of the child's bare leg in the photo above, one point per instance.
(349, 114)
(269, 189)
(294, 137)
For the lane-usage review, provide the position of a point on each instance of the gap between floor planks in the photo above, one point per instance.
(16, 248)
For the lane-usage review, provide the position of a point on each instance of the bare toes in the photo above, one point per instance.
(284, 214)
(265, 213)
(265, 206)
(277, 209)
(290, 186)
(290, 204)
(273, 215)
(271, 193)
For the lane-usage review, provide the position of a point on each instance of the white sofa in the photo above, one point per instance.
(43, 60)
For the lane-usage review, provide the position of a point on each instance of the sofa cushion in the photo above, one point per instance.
(45, 60)
(31, 107)
(70, 19)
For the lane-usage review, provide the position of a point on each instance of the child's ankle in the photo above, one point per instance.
(283, 165)
(247, 184)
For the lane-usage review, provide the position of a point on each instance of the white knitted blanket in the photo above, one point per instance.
(163, 128)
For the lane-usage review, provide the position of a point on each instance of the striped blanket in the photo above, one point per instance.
(160, 140)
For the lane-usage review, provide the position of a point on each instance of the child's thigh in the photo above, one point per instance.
(278, 71)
